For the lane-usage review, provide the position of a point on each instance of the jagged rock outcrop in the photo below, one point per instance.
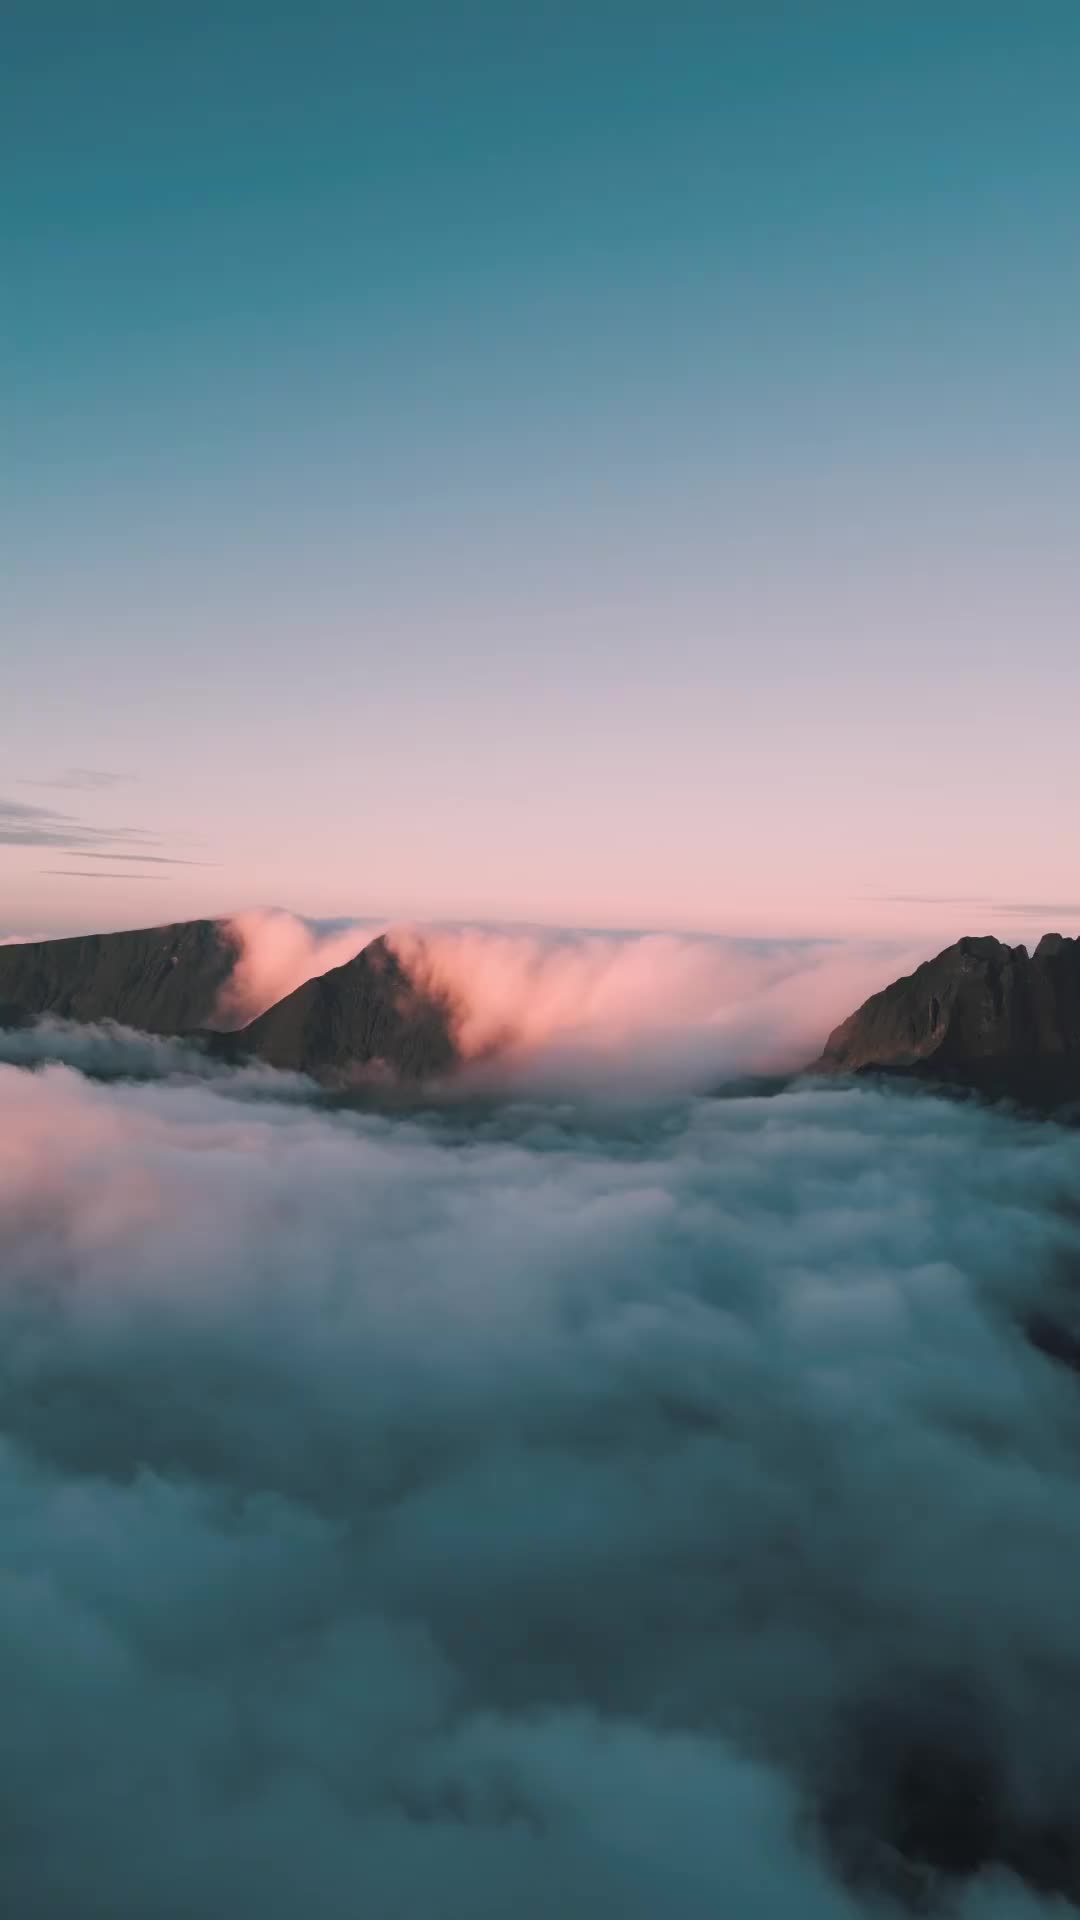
(363, 1016)
(158, 979)
(982, 1015)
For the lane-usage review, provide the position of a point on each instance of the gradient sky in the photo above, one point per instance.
(608, 463)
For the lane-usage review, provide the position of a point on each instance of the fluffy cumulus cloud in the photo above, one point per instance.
(656, 1507)
(110, 1052)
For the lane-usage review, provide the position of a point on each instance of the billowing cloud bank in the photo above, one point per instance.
(659, 1009)
(651, 1510)
(108, 1051)
(103, 1048)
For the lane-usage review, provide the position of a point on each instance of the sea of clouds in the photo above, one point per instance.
(588, 1505)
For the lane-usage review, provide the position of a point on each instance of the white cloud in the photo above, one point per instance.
(531, 1507)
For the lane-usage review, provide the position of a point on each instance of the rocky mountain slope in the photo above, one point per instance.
(158, 979)
(982, 1015)
(169, 980)
(365, 1013)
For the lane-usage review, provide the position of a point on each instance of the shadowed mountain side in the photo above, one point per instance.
(981, 1015)
(157, 979)
(363, 1015)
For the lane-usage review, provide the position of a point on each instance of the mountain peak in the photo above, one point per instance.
(979, 1014)
(366, 1015)
(358, 1018)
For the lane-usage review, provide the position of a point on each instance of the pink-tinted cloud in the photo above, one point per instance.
(666, 1005)
(671, 1008)
(277, 952)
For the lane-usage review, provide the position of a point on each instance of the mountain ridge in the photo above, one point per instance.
(165, 979)
(169, 980)
(981, 1015)
(365, 1013)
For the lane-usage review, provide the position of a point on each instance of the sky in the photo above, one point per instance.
(608, 465)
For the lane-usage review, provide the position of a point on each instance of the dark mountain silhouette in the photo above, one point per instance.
(981, 1015)
(159, 979)
(365, 1014)
(169, 980)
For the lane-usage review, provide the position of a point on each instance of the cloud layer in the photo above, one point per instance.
(544, 1006)
(555, 1506)
(659, 1009)
(110, 1052)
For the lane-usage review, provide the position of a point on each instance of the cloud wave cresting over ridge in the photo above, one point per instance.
(665, 1009)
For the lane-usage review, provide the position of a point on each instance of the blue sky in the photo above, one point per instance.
(613, 463)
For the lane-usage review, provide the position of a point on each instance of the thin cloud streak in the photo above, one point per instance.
(147, 859)
(82, 780)
(1020, 908)
(22, 825)
(76, 873)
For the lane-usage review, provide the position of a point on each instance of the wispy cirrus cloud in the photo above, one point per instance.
(102, 853)
(26, 825)
(930, 899)
(23, 824)
(81, 780)
(1020, 909)
(1069, 909)
(95, 873)
(145, 859)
